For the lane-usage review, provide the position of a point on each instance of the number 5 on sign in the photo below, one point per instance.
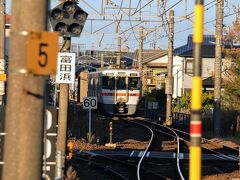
(42, 49)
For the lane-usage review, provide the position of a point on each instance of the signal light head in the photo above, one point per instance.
(69, 6)
(57, 14)
(80, 15)
(75, 28)
(68, 19)
(61, 28)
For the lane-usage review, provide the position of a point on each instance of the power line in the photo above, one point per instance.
(163, 24)
(189, 28)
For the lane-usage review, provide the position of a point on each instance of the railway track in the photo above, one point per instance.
(116, 168)
(173, 163)
(226, 156)
(170, 135)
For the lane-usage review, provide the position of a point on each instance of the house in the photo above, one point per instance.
(185, 52)
(155, 62)
(155, 66)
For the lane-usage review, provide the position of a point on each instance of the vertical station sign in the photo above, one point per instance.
(66, 68)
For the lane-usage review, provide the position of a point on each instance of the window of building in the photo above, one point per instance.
(189, 66)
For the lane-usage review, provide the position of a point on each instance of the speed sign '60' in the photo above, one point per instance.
(89, 102)
(42, 49)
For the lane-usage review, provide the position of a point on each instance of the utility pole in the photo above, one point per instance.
(119, 51)
(2, 73)
(140, 58)
(155, 38)
(169, 79)
(102, 61)
(23, 148)
(68, 20)
(218, 69)
(140, 51)
(2, 51)
(62, 120)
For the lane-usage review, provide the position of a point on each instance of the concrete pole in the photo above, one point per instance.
(140, 58)
(119, 51)
(62, 122)
(169, 82)
(102, 61)
(218, 69)
(2, 50)
(23, 148)
(2, 71)
(140, 51)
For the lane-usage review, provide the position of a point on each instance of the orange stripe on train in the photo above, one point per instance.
(120, 94)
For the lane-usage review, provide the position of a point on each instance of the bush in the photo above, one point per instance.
(157, 95)
(183, 104)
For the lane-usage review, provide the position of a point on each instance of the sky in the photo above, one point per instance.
(98, 36)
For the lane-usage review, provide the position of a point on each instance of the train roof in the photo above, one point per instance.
(115, 72)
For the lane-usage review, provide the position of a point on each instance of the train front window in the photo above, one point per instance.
(108, 82)
(121, 83)
(134, 83)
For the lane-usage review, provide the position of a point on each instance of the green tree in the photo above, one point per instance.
(231, 80)
(157, 95)
(231, 95)
(207, 101)
(183, 103)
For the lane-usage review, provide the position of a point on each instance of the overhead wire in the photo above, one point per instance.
(142, 7)
(189, 28)
(162, 15)
(137, 9)
(164, 24)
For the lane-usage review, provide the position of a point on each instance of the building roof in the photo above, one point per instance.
(208, 47)
(208, 82)
(150, 54)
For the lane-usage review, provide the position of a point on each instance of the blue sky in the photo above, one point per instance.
(107, 37)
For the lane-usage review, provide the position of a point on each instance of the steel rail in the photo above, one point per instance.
(146, 150)
(178, 149)
(94, 154)
(216, 152)
(102, 166)
(178, 152)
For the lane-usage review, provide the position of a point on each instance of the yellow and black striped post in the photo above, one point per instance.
(196, 96)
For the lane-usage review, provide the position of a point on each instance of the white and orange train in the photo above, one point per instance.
(118, 90)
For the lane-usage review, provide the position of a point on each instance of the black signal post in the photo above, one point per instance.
(68, 20)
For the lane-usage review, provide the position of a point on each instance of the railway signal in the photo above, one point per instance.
(68, 19)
